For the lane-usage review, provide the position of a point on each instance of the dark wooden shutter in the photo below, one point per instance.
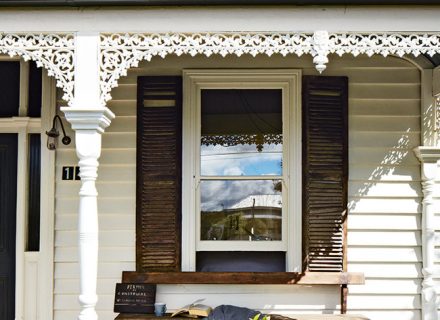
(325, 171)
(159, 145)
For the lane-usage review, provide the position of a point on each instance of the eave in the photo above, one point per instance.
(82, 3)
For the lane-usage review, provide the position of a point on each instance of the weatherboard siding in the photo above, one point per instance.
(384, 238)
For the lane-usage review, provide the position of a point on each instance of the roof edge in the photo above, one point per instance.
(82, 3)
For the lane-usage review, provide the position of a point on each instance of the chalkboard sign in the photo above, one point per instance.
(134, 298)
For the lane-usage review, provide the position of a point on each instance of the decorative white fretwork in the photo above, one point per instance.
(384, 44)
(437, 114)
(53, 52)
(119, 52)
(241, 139)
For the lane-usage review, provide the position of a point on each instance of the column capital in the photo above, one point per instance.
(430, 158)
(96, 119)
(427, 154)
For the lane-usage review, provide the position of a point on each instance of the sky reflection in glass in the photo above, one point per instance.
(241, 132)
(241, 160)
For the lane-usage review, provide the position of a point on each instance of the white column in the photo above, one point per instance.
(88, 119)
(88, 126)
(429, 158)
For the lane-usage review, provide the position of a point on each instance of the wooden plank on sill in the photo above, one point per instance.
(308, 278)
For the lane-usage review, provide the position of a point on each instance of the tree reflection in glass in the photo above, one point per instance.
(248, 210)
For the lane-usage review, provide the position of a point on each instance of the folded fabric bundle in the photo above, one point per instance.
(228, 312)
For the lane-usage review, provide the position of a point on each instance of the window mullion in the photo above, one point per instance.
(24, 89)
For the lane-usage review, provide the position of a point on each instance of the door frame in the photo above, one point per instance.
(34, 299)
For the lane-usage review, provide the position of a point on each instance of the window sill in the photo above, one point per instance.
(308, 278)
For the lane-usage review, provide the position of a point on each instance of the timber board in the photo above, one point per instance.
(292, 278)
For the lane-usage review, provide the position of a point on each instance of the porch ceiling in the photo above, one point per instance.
(78, 3)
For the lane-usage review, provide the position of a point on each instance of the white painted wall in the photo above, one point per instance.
(384, 196)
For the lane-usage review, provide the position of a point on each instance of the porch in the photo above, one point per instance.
(392, 110)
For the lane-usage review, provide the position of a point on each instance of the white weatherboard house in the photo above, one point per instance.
(295, 142)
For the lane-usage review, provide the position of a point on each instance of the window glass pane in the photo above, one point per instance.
(241, 132)
(246, 210)
(33, 243)
(35, 83)
(241, 261)
(10, 88)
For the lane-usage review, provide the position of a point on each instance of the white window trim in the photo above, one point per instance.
(289, 80)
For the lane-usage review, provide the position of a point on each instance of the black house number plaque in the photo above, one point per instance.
(134, 298)
(70, 173)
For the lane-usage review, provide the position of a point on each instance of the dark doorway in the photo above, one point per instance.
(10, 84)
(8, 199)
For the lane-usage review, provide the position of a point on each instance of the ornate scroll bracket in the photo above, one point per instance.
(321, 47)
(53, 52)
(119, 52)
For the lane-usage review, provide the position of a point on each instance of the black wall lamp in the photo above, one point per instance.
(53, 134)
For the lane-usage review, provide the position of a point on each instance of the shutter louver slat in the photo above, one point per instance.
(325, 172)
(159, 174)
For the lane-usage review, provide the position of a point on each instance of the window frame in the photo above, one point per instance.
(289, 81)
